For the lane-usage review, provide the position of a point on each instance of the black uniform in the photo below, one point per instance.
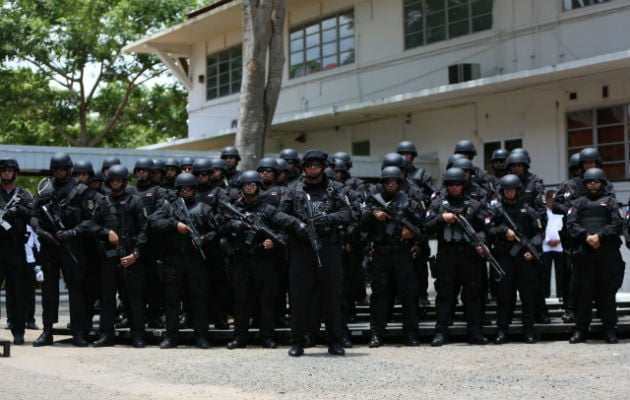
(392, 272)
(13, 235)
(67, 203)
(520, 273)
(184, 270)
(310, 285)
(458, 263)
(597, 272)
(124, 215)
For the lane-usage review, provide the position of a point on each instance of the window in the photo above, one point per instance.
(490, 147)
(430, 21)
(573, 4)
(321, 45)
(605, 129)
(361, 148)
(223, 73)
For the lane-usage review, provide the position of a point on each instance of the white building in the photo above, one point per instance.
(552, 76)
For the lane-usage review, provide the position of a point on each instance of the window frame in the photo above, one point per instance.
(580, 7)
(316, 31)
(234, 72)
(421, 37)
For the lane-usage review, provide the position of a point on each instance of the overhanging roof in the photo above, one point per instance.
(427, 99)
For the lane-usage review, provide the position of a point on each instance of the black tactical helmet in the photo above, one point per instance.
(595, 174)
(520, 150)
(186, 161)
(340, 165)
(465, 146)
(289, 155)
(10, 163)
(230, 151)
(268, 162)
(391, 172)
(282, 165)
(330, 173)
(452, 158)
(500, 154)
(510, 181)
(158, 165)
(217, 163)
(202, 165)
(517, 158)
(345, 157)
(406, 147)
(590, 154)
(314, 155)
(393, 159)
(464, 164)
(60, 160)
(185, 179)
(109, 162)
(454, 175)
(98, 176)
(171, 162)
(118, 172)
(248, 177)
(574, 162)
(83, 166)
(143, 163)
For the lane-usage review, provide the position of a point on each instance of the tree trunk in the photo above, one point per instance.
(263, 22)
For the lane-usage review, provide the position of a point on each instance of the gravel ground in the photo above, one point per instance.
(555, 370)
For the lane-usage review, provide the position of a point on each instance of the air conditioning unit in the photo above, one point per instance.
(458, 73)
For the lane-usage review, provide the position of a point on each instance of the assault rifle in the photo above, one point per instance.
(396, 217)
(523, 242)
(476, 241)
(254, 223)
(181, 212)
(59, 226)
(310, 229)
(13, 201)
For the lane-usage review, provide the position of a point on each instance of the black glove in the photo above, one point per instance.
(47, 238)
(300, 229)
(12, 212)
(323, 220)
(66, 235)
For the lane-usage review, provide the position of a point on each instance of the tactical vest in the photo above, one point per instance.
(593, 214)
(454, 233)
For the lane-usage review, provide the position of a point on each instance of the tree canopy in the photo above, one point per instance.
(65, 79)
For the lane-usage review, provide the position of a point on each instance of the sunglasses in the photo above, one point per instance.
(185, 189)
(201, 173)
(266, 169)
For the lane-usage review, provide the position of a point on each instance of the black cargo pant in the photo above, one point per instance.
(315, 288)
(520, 275)
(12, 266)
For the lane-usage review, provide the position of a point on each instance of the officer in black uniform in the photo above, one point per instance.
(311, 284)
(184, 270)
(467, 149)
(232, 157)
(392, 272)
(171, 166)
(186, 163)
(419, 176)
(120, 223)
(62, 218)
(254, 265)
(270, 192)
(158, 172)
(17, 204)
(498, 167)
(457, 260)
(595, 225)
(293, 159)
(517, 262)
(152, 196)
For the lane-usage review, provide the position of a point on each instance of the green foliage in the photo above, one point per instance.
(65, 79)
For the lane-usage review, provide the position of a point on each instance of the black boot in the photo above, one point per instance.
(439, 340)
(501, 337)
(296, 350)
(45, 339)
(611, 336)
(375, 341)
(78, 340)
(578, 337)
(237, 343)
(336, 349)
(104, 341)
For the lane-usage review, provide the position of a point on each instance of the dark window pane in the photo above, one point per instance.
(481, 7)
(434, 5)
(312, 29)
(458, 13)
(297, 58)
(436, 35)
(628, 113)
(237, 75)
(513, 144)
(482, 23)
(436, 19)
(615, 172)
(329, 49)
(488, 149)
(610, 115)
(615, 152)
(610, 134)
(346, 44)
(361, 148)
(581, 138)
(458, 29)
(329, 35)
(329, 23)
(580, 119)
(312, 54)
(299, 34)
(346, 30)
(224, 90)
(224, 67)
(312, 40)
(296, 45)
(211, 61)
(413, 41)
(236, 87)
